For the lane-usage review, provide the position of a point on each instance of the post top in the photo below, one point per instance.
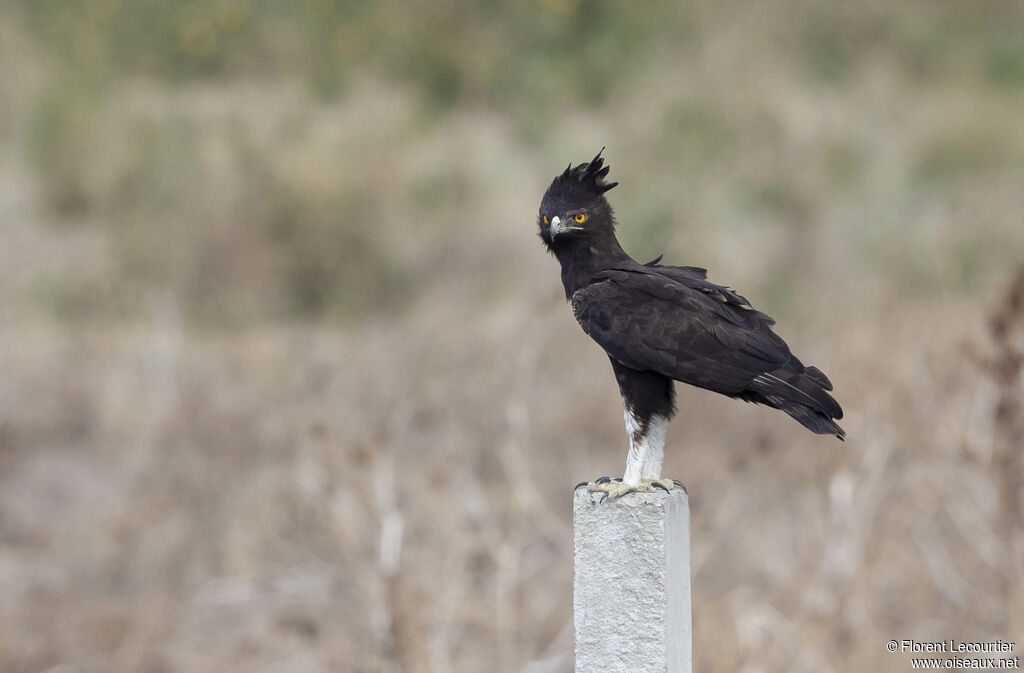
(657, 497)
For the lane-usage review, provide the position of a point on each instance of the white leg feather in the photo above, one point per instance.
(655, 453)
(646, 450)
(637, 455)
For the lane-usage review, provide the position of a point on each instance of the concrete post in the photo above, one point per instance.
(631, 584)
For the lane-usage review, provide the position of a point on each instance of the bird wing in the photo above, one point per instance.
(673, 321)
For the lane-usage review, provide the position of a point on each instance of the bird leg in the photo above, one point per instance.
(646, 453)
(643, 461)
(636, 457)
(654, 438)
(646, 447)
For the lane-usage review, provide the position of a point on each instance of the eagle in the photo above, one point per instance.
(660, 324)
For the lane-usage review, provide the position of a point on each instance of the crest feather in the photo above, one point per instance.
(590, 175)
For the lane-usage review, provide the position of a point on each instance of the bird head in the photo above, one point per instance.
(574, 206)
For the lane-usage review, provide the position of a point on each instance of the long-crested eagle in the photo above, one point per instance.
(661, 323)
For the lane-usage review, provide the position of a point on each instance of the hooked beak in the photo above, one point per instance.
(556, 227)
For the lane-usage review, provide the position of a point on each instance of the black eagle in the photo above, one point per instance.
(662, 323)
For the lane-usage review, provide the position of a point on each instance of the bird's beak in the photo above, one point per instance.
(555, 227)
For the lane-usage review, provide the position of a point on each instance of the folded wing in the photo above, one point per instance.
(672, 320)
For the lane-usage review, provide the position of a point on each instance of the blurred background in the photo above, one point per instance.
(288, 383)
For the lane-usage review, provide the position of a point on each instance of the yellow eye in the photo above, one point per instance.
(580, 217)
(547, 220)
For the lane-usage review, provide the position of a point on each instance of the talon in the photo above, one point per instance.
(680, 485)
(664, 484)
(609, 487)
(577, 486)
(617, 479)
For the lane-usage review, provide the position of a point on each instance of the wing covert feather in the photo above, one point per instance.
(648, 321)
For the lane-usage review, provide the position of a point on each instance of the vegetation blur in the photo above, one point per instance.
(289, 383)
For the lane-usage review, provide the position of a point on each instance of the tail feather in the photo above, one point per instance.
(818, 377)
(802, 392)
(814, 421)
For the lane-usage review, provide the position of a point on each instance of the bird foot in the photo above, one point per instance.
(616, 488)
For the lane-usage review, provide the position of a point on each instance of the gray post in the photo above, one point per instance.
(631, 583)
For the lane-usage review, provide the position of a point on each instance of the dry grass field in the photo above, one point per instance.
(287, 381)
